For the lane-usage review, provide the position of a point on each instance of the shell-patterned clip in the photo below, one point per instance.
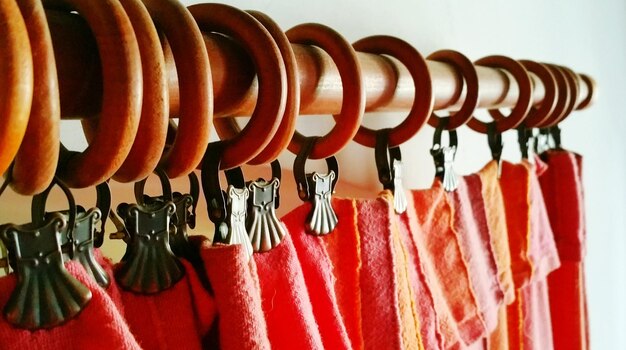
(149, 265)
(317, 189)
(443, 156)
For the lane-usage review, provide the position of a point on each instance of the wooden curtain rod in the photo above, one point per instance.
(388, 84)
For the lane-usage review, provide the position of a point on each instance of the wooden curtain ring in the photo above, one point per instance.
(468, 72)
(524, 101)
(563, 100)
(227, 128)
(243, 28)
(16, 77)
(591, 91)
(149, 141)
(423, 99)
(122, 92)
(195, 86)
(537, 115)
(40, 149)
(344, 56)
(572, 81)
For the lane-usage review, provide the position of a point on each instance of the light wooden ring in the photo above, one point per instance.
(16, 77)
(423, 100)
(122, 92)
(195, 87)
(36, 161)
(591, 92)
(344, 56)
(228, 127)
(541, 113)
(572, 81)
(149, 141)
(563, 100)
(257, 41)
(468, 72)
(524, 101)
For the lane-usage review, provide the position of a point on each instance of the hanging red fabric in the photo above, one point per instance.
(446, 273)
(318, 275)
(563, 191)
(238, 321)
(422, 294)
(285, 299)
(99, 325)
(471, 227)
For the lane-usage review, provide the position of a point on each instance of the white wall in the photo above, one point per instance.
(588, 36)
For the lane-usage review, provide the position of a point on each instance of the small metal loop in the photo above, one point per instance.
(194, 191)
(524, 138)
(103, 202)
(389, 166)
(555, 132)
(276, 174)
(216, 203)
(542, 141)
(38, 213)
(494, 137)
(382, 159)
(452, 135)
(166, 186)
(122, 232)
(299, 172)
(333, 167)
(234, 177)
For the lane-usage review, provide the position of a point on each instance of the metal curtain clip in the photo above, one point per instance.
(443, 156)
(318, 189)
(35, 255)
(149, 265)
(78, 241)
(227, 210)
(389, 166)
(185, 215)
(524, 139)
(265, 230)
(494, 138)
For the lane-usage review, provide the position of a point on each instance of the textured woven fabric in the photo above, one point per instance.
(238, 321)
(286, 303)
(470, 224)
(515, 185)
(164, 320)
(344, 252)
(444, 268)
(422, 294)
(318, 274)
(386, 323)
(496, 221)
(561, 184)
(98, 326)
